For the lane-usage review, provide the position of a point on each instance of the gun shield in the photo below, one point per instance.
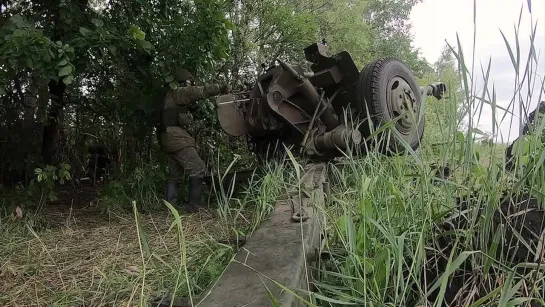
(230, 116)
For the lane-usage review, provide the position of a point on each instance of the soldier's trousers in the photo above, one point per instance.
(187, 161)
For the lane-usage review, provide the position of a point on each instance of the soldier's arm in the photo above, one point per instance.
(185, 95)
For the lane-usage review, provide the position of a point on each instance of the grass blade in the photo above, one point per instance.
(511, 55)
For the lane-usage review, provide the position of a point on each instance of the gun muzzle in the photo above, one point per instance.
(436, 90)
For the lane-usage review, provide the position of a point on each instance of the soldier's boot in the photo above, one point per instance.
(195, 191)
(172, 193)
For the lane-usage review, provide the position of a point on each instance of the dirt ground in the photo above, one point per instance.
(78, 255)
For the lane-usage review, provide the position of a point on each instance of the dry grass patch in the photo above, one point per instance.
(95, 259)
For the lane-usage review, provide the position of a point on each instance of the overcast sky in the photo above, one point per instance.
(435, 21)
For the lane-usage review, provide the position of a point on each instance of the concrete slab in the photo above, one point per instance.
(280, 249)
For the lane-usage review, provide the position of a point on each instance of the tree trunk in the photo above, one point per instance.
(56, 93)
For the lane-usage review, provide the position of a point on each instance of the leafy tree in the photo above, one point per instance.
(81, 71)
(369, 29)
(56, 40)
(265, 30)
(102, 63)
(445, 115)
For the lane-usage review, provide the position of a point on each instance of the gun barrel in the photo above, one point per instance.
(426, 90)
(436, 90)
(338, 138)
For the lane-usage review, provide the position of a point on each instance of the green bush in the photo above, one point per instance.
(145, 185)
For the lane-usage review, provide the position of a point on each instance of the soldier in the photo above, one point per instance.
(99, 163)
(98, 166)
(529, 127)
(177, 143)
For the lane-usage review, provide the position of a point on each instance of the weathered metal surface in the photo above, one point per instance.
(296, 107)
(310, 189)
(280, 251)
(340, 138)
(436, 90)
(402, 102)
(285, 97)
(230, 115)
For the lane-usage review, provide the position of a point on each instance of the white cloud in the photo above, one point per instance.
(435, 21)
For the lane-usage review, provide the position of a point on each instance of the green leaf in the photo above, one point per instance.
(17, 19)
(68, 80)
(84, 31)
(142, 235)
(3, 91)
(62, 63)
(19, 33)
(113, 49)
(65, 71)
(479, 132)
(493, 248)
(47, 57)
(173, 85)
(452, 266)
(337, 301)
(273, 299)
(164, 71)
(518, 301)
(29, 63)
(97, 22)
(460, 137)
(487, 297)
(136, 33)
(510, 50)
(477, 171)
(169, 78)
(146, 45)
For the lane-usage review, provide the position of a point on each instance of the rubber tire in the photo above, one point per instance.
(371, 92)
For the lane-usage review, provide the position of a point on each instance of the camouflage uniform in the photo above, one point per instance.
(529, 127)
(175, 140)
(178, 143)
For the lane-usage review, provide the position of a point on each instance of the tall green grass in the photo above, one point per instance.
(401, 237)
(396, 234)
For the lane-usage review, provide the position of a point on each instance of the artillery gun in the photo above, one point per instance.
(333, 107)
